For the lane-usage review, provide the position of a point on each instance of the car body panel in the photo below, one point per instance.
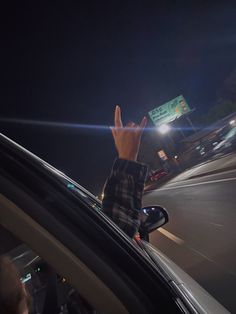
(198, 296)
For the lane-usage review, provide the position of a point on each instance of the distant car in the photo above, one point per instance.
(73, 258)
(158, 174)
(228, 144)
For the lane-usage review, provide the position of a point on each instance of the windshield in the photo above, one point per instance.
(230, 134)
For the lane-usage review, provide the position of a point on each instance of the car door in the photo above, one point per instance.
(48, 213)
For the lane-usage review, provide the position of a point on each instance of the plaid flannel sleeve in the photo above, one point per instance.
(123, 194)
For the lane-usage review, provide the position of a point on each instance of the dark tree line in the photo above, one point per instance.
(226, 101)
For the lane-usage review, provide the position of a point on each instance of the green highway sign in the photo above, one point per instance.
(170, 111)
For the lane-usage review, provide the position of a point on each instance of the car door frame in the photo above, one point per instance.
(123, 269)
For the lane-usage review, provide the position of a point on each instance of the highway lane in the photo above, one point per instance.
(201, 234)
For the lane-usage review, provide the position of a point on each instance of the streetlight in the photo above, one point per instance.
(164, 128)
(232, 122)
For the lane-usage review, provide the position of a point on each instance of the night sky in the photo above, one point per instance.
(72, 63)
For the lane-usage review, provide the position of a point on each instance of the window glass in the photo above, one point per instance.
(230, 134)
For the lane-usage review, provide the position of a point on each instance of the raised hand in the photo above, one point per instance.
(127, 138)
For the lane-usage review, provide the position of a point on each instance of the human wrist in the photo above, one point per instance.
(134, 168)
(130, 156)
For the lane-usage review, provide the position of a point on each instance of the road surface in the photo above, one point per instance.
(201, 234)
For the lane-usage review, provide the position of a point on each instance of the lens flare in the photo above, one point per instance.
(54, 124)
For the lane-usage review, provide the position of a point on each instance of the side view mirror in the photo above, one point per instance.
(152, 217)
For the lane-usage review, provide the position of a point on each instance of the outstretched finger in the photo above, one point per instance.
(141, 127)
(143, 123)
(118, 121)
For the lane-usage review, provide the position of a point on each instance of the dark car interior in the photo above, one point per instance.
(50, 293)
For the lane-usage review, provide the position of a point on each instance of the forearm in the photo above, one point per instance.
(123, 194)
